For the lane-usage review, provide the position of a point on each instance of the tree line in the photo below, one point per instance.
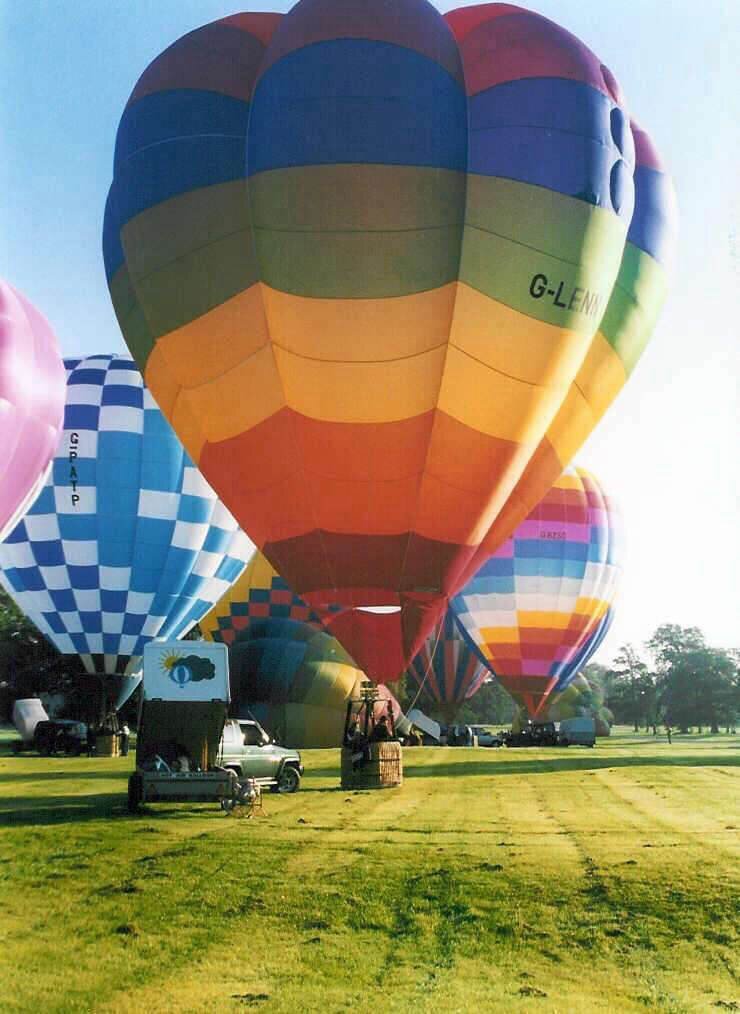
(685, 683)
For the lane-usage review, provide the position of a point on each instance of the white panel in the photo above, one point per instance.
(80, 553)
(188, 535)
(154, 504)
(71, 622)
(115, 578)
(194, 484)
(139, 603)
(112, 623)
(55, 578)
(122, 418)
(87, 503)
(88, 600)
(40, 528)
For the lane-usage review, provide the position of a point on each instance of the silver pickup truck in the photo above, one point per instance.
(247, 750)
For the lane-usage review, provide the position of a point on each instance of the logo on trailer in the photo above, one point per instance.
(188, 669)
(180, 674)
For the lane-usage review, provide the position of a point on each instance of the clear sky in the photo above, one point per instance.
(669, 446)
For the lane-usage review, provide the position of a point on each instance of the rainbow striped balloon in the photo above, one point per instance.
(383, 270)
(537, 610)
(446, 669)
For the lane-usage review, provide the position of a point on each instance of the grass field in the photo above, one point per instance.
(546, 880)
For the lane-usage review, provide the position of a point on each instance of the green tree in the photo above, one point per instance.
(698, 683)
(632, 696)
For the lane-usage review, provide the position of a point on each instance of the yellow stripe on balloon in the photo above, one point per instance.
(509, 341)
(361, 392)
(493, 403)
(360, 330)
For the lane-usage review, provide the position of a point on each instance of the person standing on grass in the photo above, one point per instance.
(668, 733)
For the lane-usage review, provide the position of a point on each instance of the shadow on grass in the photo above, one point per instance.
(542, 765)
(53, 810)
(33, 777)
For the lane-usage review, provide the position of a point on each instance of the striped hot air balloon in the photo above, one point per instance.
(536, 607)
(383, 271)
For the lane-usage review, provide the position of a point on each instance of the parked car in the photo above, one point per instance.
(60, 735)
(247, 750)
(485, 736)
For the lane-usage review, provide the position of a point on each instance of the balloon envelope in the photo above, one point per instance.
(32, 390)
(533, 610)
(382, 271)
(296, 680)
(447, 670)
(127, 541)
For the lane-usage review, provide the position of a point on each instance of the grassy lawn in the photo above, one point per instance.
(548, 880)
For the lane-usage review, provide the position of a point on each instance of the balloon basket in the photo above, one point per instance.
(379, 766)
(107, 745)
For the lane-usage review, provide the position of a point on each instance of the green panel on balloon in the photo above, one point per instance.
(571, 296)
(634, 307)
(131, 318)
(357, 198)
(190, 287)
(176, 227)
(358, 265)
(545, 220)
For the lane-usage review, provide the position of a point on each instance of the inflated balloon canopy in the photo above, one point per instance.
(539, 608)
(126, 541)
(32, 390)
(384, 270)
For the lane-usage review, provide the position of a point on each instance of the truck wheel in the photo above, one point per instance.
(289, 781)
(135, 791)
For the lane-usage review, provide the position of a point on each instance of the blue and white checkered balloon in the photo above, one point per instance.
(127, 542)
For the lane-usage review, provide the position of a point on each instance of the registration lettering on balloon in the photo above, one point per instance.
(578, 299)
(74, 440)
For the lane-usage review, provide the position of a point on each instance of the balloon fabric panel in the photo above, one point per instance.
(32, 389)
(126, 541)
(364, 277)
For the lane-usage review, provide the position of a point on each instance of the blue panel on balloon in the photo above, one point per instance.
(357, 101)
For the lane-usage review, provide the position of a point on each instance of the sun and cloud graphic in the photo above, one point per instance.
(184, 669)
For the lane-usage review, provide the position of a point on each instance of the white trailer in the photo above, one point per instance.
(183, 709)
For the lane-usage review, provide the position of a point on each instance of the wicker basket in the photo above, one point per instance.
(107, 745)
(382, 770)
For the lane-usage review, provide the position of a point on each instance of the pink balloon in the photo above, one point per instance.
(32, 394)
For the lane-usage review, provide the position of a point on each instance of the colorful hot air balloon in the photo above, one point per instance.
(296, 679)
(257, 594)
(446, 669)
(127, 541)
(366, 258)
(532, 609)
(32, 389)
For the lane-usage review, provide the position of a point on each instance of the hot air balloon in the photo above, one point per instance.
(126, 542)
(374, 264)
(447, 670)
(32, 389)
(295, 679)
(533, 610)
